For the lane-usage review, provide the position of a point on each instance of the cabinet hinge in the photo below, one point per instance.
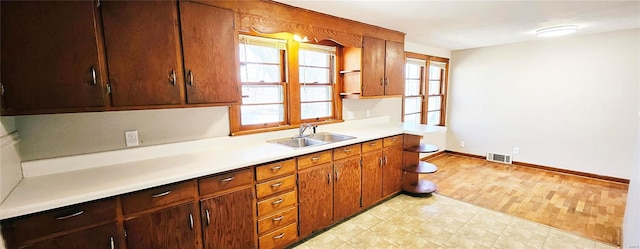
(234, 23)
(360, 162)
(98, 3)
(108, 88)
(297, 182)
(125, 232)
(360, 202)
(1, 89)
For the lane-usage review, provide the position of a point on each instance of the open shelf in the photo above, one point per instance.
(422, 148)
(422, 187)
(350, 71)
(421, 168)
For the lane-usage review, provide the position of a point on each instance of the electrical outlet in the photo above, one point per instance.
(461, 144)
(367, 113)
(516, 150)
(131, 138)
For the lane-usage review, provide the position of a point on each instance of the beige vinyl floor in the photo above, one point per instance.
(441, 222)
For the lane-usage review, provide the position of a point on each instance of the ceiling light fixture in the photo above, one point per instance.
(556, 31)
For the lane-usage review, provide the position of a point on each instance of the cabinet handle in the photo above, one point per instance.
(275, 185)
(190, 78)
(228, 179)
(161, 194)
(279, 236)
(276, 168)
(385, 160)
(329, 178)
(94, 79)
(315, 159)
(381, 81)
(394, 139)
(372, 144)
(172, 77)
(346, 150)
(208, 215)
(113, 246)
(278, 218)
(386, 81)
(69, 216)
(278, 201)
(381, 164)
(191, 221)
(337, 175)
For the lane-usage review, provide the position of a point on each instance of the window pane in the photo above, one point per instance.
(434, 103)
(413, 71)
(315, 93)
(316, 110)
(259, 94)
(412, 105)
(314, 75)
(434, 87)
(260, 73)
(434, 73)
(259, 54)
(433, 118)
(261, 114)
(412, 88)
(312, 58)
(412, 118)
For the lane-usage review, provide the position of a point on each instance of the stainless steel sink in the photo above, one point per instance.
(311, 140)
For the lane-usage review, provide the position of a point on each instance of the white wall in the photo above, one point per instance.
(568, 103)
(631, 223)
(391, 107)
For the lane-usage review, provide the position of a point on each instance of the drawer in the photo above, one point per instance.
(314, 159)
(346, 151)
(279, 238)
(159, 196)
(211, 185)
(273, 204)
(277, 220)
(371, 145)
(391, 141)
(276, 186)
(62, 219)
(275, 169)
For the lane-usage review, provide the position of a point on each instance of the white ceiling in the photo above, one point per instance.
(458, 25)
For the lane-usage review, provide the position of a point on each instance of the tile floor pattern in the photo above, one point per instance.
(442, 222)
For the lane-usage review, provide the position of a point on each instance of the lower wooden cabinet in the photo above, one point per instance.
(169, 228)
(371, 177)
(315, 198)
(227, 220)
(346, 187)
(392, 170)
(105, 236)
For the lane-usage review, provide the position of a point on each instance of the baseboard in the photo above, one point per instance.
(547, 168)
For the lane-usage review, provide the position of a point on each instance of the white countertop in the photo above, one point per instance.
(58, 182)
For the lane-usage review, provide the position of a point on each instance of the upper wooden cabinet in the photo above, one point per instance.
(209, 42)
(143, 52)
(374, 70)
(49, 54)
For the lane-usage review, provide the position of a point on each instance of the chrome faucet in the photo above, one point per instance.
(304, 127)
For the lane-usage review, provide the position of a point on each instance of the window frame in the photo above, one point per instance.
(333, 75)
(424, 88)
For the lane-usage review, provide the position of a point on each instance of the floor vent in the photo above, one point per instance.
(499, 158)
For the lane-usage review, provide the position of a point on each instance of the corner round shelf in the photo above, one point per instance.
(422, 148)
(422, 168)
(420, 187)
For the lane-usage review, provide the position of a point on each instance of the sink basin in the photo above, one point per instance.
(300, 142)
(311, 140)
(330, 137)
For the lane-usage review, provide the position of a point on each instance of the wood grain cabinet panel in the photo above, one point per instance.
(268, 206)
(371, 145)
(210, 54)
(170, 228)
(373, 56)
(279, 238)
(143, 52)
(50, 57)
(346, 151)
(158, 197)
(105, 236)
(392, 170)
(226, 181)
(315, 199)
(394, 68)
(310, 160)
(276, 186)
(228, 220)
(379, 71)
(346, 187)
(371, 177)
(276, 169)
(276, 220)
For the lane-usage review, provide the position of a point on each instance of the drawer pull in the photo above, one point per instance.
(279, 236)
(394, 139)
(337, 175)
(161, 194)
(69, 216)
(346, 150)
(93, 76)
(329, 178)
(208, 216)
(278, 201)
(385, 160)
(381, 163)
(278, 218)
(275, 185)
(276, 168)
(113, 246)
(228, 179)
(191, 221)
(315, 159)
(372, 144)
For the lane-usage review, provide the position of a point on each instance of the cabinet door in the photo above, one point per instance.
(373, 56)
(228, 220)
(392, 170)
(104, 236)
(315, 198)
(210, 54)
(394, 68)
(371, 177)
(346, 187)
(142, 45)
(170, 228)
(49, 55)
